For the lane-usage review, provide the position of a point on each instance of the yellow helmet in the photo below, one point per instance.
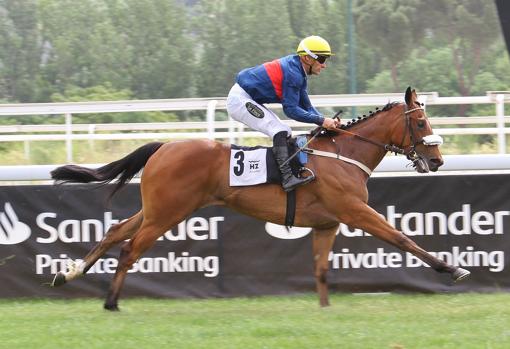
(314, 46)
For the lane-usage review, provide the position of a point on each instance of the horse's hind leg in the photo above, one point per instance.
(130, 252)
(115, 234)
(323, 240)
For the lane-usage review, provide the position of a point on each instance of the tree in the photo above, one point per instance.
(470, 28)
(236, 34)
(20, 52)
(328, 19)
(175, 48)
(81, 47)
(389, 28)
(161, 50)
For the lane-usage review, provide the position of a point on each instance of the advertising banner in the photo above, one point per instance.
(217, 252)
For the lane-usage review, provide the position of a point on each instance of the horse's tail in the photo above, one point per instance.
(125, 168)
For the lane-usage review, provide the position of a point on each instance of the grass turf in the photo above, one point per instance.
(353, 321)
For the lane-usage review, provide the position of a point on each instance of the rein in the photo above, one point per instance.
(410, 154)
(388, 147)
(391, 147)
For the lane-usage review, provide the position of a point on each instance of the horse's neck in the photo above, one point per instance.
(378, 128)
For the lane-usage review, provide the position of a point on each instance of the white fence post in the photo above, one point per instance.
(26, 149)
(500, 115)
(240, 130)
(69, 141)
(92, 143)
(211, 109)
(231, 129)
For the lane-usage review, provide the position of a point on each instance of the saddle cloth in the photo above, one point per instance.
(257, 165)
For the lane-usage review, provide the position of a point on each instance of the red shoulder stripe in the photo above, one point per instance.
(274, 70)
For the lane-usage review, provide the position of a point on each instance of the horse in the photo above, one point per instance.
(182, 176)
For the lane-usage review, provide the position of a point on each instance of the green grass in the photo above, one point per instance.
(353, 321)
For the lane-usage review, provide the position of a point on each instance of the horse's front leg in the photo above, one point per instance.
(323, 240)
(364, 217)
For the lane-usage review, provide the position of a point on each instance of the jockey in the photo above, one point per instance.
(283, 81)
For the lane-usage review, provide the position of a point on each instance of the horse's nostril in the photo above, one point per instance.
(436, 161)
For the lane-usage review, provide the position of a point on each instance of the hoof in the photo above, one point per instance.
(460, 274)
(111, 307)
(58, 280)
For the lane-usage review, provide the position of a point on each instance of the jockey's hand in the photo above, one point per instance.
(330, 124)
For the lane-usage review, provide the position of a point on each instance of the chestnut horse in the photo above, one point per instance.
(180, 177)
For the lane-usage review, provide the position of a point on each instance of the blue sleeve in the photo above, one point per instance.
(307, 105)
(296, 105)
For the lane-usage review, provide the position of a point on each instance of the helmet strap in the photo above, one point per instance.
(308, 52)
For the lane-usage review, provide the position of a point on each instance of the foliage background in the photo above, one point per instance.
(175, 48)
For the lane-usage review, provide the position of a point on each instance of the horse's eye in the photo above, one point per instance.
(421, 124)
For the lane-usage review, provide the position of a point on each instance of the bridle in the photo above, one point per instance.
(409, 151)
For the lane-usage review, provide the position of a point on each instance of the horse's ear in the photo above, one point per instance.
(409, 94)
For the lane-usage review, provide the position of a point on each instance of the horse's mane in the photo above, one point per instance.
(357, 120)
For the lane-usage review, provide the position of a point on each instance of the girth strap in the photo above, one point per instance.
(339, 157)
(290, 212)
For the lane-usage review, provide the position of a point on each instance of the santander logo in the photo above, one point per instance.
(283, 232)
(12, 231)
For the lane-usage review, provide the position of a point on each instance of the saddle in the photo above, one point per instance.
(257, 165)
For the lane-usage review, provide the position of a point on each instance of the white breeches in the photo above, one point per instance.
(241, 107)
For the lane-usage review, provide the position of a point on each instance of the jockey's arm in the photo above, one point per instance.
(297, 106)
(328, 123)
(297, 109)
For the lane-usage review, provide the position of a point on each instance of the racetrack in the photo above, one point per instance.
(353, 321)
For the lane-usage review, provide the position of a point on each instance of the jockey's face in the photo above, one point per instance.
(312, 66)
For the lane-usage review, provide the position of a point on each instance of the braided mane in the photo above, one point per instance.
(371, 114)
(357, 120)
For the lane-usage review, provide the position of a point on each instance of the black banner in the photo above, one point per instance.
(503, 7)
(217, 252)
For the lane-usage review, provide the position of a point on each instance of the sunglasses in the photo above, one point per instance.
(321, 59)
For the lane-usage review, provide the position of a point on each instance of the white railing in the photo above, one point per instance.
(228, 130)
(391, 165)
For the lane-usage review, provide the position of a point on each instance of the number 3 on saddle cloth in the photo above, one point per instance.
(257, 165)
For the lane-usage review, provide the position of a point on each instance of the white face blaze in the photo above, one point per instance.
(432, 140)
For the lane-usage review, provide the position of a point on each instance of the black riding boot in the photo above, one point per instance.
(281, 154)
